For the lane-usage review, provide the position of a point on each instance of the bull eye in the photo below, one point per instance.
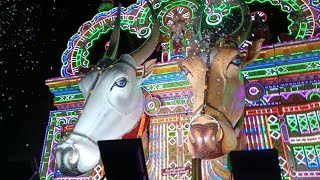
(185, 71)
(121, 82)
(236, 62)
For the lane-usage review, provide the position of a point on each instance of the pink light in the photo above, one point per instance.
(313, 174)
(284, 132)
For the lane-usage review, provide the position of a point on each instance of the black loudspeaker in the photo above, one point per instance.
(123, 159)
(255, 165)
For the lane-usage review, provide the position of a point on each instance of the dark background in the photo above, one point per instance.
(33, 36)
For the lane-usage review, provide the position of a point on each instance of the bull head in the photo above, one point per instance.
(214, 72)
(219, 96)
(113, 103)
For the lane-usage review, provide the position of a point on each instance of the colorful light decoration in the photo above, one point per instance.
(265, 127)
(273, 118)
(135, 19)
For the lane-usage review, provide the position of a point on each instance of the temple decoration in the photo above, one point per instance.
(282, 104)
(303, 15)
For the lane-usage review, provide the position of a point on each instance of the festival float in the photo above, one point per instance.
(216, 76)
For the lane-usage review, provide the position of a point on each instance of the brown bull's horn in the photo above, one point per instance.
(197, 22)
(146, 49)
(112, 50)
(244, 30)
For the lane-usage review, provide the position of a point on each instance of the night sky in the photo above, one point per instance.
(33, 36)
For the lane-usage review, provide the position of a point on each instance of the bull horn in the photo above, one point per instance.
(112, 50)
(197, 22)
(244, 29)
(146, 49)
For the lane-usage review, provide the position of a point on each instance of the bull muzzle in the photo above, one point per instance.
(67, 160)
(76, 155)
(205, 137)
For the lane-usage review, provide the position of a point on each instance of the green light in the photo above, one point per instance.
(213, 19)
(303, 123)
(313, 121)
(79, 57)
(68, 98)
(216, 15)
(106, 6)
(292, 122)
(282, 70)
(61, 122)
(57, 137)
(143, 17)
(172, 133)
(274, 126)
(167, 86)
(310, 150)
(316, 95)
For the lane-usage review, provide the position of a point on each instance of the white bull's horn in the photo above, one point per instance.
(146, 49)
(112, 50)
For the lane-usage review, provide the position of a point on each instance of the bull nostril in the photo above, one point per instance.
(74, 157)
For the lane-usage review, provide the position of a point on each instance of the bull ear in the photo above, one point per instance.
(252, 53)
(148, 68)
(87, 82)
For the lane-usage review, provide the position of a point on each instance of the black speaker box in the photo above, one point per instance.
(255, 165)
(123, 159)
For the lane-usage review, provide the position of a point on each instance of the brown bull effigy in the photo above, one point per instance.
(214, 71)
(218, 90)
(218, 99)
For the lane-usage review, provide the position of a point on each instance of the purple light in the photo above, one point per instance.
(284, 132)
